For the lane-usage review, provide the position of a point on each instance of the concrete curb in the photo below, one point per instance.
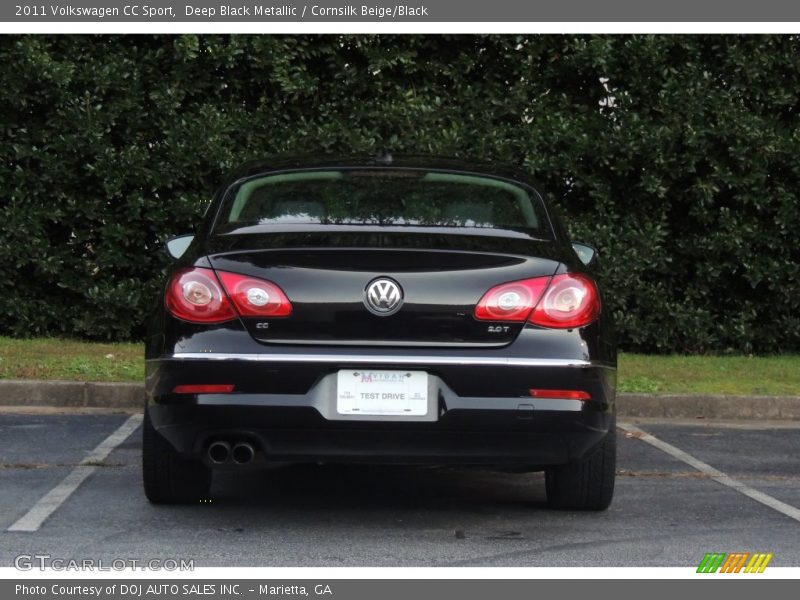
(676, 406)
(21, 392)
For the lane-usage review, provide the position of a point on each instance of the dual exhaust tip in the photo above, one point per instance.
(221, 452)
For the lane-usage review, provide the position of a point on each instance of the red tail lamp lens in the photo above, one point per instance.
(571, 301)
(255, 297)
(563, 301)
(511, 301)
(195, 295)
(561, 394)
(215, 388)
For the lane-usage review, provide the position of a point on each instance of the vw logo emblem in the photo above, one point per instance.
(383, 297)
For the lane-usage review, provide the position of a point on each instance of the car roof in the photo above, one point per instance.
(384, 160)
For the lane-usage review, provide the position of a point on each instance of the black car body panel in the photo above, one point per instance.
(284, 369)
(441, 287)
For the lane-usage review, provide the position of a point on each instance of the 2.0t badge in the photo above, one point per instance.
(383, 297)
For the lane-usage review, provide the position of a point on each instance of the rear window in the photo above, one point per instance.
(396, 197)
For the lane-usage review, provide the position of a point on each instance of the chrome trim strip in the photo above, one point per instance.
(322, 404)
(387, 359)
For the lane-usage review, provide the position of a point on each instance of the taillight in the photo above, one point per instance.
(511, 301)
(562, 301)
(204, 388)
(561, 394)
(570, 301)
(195, 295)
(255, 297)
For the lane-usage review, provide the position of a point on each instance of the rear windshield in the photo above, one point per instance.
(396, 197)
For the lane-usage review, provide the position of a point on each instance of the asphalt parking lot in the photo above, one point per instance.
(739, 494)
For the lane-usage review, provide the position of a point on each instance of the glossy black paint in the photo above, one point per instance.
(323, 270)
(326, 287)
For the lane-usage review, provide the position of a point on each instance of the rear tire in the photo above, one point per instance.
(168, 478)
(587, 484)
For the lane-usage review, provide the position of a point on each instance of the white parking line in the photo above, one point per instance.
(33, 519)
(718, 476)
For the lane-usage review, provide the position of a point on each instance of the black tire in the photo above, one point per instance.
(587, 484)
(168, 478)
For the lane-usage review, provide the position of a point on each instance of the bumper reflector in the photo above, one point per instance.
(214, 388)
(561, 394)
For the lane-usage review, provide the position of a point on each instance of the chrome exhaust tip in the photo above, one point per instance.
(219, 452)
(243, 453)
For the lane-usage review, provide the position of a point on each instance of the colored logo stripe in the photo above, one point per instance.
(710, 563)
(734, 562)
(758, 563)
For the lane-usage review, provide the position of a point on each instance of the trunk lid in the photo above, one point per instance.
(325, 272)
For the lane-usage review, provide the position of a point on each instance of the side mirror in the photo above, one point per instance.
(586, 253)
(177, 245)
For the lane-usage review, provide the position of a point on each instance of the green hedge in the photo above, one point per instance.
(678, 156)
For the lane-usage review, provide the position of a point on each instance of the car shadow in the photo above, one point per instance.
(358, 487)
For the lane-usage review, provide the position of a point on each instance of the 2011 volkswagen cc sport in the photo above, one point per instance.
(380, 311)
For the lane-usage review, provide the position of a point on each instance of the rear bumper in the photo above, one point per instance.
(480, 410)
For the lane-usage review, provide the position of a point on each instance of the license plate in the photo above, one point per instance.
(389, 393)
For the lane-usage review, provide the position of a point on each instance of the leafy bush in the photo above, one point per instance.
(678, 156)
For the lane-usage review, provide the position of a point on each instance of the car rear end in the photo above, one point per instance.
(379, 314)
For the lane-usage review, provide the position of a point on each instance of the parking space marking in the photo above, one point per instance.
(759, 425)
(33, 519)
(718, 476)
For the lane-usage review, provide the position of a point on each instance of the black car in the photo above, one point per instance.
(380, 311)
